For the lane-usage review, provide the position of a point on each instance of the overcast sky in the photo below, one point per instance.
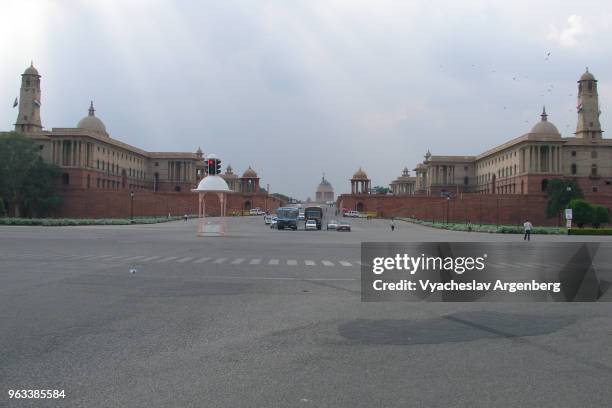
(297, 88)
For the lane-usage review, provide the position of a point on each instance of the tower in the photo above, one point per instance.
(28, 119)
(588, 126)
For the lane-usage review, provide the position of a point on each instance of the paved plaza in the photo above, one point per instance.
(153, 316)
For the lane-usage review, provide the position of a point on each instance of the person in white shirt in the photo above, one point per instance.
(527, 227)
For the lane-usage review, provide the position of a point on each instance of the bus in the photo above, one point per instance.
(314, 213)
(287, 217)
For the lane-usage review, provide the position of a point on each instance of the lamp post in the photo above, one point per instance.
(131, 206)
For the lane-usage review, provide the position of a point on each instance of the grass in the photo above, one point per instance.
(62, 222)
(490, 228)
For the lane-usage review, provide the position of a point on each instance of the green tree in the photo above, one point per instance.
(560, 193)
(2, 209)
(25, 180)
(380, 190)
(39, 196)
(582, 212)
(601, 215)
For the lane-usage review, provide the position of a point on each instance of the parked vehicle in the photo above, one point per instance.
(343, 226)
(314, 213)
(351, 213)
(287, 217)
(311, 225)
(256, 211)
(332, 225)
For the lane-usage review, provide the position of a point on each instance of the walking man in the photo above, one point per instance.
(527, 227)
(392, 225)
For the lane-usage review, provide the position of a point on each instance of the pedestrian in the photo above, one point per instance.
(185, 217)
(392, 225)
(527, 227)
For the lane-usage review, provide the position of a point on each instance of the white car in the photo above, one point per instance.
(268, 219)
(310, 225)
(256, 211)
(332, 225)
(352, 213)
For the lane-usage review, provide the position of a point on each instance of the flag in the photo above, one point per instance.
(15, 103)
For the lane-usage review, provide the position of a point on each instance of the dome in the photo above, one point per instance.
(360, 174)
(249, 173)
(544, 126)
(31, 70)
(587, 76)
(91, 122)
(229, 173)
(325, 187)
(211, 184)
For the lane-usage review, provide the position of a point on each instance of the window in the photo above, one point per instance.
(65, 179)
(594, 170)
(544, 184)
(41, 147)
(156, 164)
(574, 169)
(594, 189)
(573, 153)
(177, 188)
(590, 85)
(466, 180)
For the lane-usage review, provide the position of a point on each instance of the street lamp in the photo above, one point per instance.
(131, 206)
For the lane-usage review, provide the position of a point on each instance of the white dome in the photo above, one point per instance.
(212, 184)
(91, 122)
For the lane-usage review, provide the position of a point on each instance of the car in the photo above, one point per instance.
(332, 225)
(352, 214)
(310, 225)
(273, 222)
(268, 219)
(256, 211)
(343, 226)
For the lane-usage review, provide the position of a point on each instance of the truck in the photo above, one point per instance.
(314, 213)
(286, 217)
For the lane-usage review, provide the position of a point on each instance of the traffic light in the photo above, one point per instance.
(218, 166)
(211, 167)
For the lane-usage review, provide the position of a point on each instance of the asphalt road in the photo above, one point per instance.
(152, 316)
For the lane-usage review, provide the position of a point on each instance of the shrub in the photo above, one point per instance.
(590, 231)
(582, 212)
(601, 215)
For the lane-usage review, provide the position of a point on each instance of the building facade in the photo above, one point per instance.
(324, 192)
(525, 164)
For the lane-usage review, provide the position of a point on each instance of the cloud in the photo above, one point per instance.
(567, 37)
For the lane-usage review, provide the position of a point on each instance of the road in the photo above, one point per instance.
(152, 316)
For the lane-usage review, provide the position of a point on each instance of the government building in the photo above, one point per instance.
(92, 161)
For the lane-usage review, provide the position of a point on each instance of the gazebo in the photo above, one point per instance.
(211, 184)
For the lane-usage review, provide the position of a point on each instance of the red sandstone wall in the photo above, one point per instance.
(474, 208)
(83, 203)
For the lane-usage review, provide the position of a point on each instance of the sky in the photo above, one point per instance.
(299, 88)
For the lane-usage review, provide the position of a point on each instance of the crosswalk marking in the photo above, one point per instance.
(273, 262)
(202, 260)
(291, 262)
(237, 261)
(327, 263)
(308, 262)
(150, 258)
(220, 260)
(345, 263)
(166, 259)
(255, 262)
(187, 259)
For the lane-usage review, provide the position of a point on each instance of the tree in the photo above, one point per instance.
(582, 212)
(560, 193)
(380, 190)
(2, 209)
(601, 215)
(25, 180)
(39, 196)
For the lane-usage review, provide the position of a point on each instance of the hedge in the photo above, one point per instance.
(62, 222)
(590, 231)
(490, 228)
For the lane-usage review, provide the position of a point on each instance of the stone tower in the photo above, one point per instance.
(28, 119)
(588, 126)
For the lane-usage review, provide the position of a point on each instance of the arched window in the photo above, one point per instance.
(360, 206)
(594, 170)
(247, 205)
(65, 179)
(574, 168)
(544, 184)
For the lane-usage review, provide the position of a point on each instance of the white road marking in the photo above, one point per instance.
(291, 262)
(273, 262)
(202, 260)
(189, 258)
(220, 260)
(308, 262)
(150, 258)
(237, 261)
(327, 263)
(134, 258)
(255, 262)
(166, 259)
(345, 263)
